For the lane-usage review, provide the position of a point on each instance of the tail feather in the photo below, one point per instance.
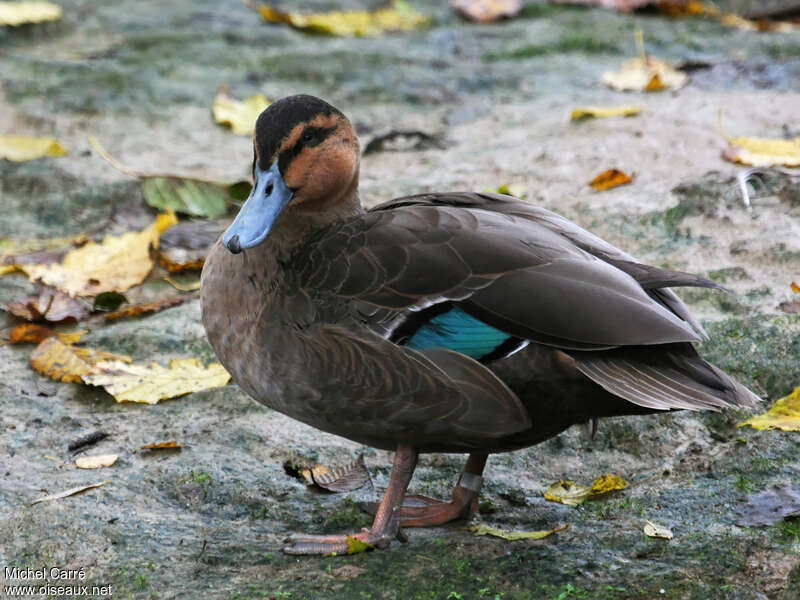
(670, 376)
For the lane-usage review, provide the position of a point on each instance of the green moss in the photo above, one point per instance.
(573, 42)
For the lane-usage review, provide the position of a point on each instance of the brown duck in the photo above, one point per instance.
(444, 322)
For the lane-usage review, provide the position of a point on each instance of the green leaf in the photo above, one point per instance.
(189, 196)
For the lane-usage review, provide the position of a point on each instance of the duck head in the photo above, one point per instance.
(306, 158)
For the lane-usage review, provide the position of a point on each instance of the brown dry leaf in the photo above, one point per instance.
(784, 415)
(763, 152)
(610, 179)
(33, 334)
(514, 535)
(50, 305)
(240, 115)
(599, 112)
(146, 308)
(657, 531)
(339, 479)
(63, 362)
(21, 148)
(795, 288)
(486, 11)
(95, 462)
(23, 13)
(70, 492)
(398, 16)
(185, 246)
(607, 483)
(151, 383)
(567, 493)
(179, 260)
(116, 264)
(170, 445)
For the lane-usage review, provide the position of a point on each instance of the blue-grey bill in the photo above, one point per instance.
(267, 200)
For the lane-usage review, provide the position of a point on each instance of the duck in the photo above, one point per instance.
(450, 322)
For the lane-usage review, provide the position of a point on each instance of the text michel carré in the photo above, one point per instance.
(44, 573)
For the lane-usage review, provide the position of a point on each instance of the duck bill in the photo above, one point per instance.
(268, 198)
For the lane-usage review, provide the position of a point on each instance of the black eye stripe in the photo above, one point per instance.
(319, 135)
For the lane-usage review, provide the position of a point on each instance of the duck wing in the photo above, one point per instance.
(508, 269)
(500, 266)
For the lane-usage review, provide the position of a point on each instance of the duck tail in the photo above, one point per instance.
(664, 377)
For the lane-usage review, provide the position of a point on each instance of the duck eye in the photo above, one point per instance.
(308, 137)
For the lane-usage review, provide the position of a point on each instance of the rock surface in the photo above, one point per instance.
(208, 521)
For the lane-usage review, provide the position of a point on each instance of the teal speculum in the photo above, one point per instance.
(443, 322)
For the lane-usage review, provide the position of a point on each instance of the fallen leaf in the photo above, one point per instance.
(517, 190)
(146, 308)
(513, 535)
(50, 305)
(607, 483)
(184, 194)
(6, 269)
(150, 383)
(185, 246)
(403, 140)
(63, 362)
(21, 148)
(191, 286)
(116, 264)
(784, 415)
(188, 196)
(241, 115)
(340, 479)
(15, 252)
(356, 546)
(70, 492)
(770, 506)
(33, 334)
(398, 16)
(609, 179)
(763, 152)
(567, 493)
(108, 302)
(599, 112)
(170, 445)
(95, 462)
(657, 531)
(486, 11)
(795, 288)
(645, 75)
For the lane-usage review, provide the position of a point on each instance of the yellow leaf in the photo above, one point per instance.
(70, 492)
(607, 483)
(151, 383)
(517, 190)
(63, 362)
(116, 264)
(95, 462)
(657, 531)
(399, 16)
(22, 13)
(6, 269)
(34, 334)
(241, 115)
(598, 112)
(567, 493)
(610, 179)
(784, 415)
(356, 546)
(170, 445)
(183, 287)
(514, 535)
(763, 152)
(645, 74)
(20, 148)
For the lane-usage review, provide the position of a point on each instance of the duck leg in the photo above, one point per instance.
(421, 511)
(386, 525)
